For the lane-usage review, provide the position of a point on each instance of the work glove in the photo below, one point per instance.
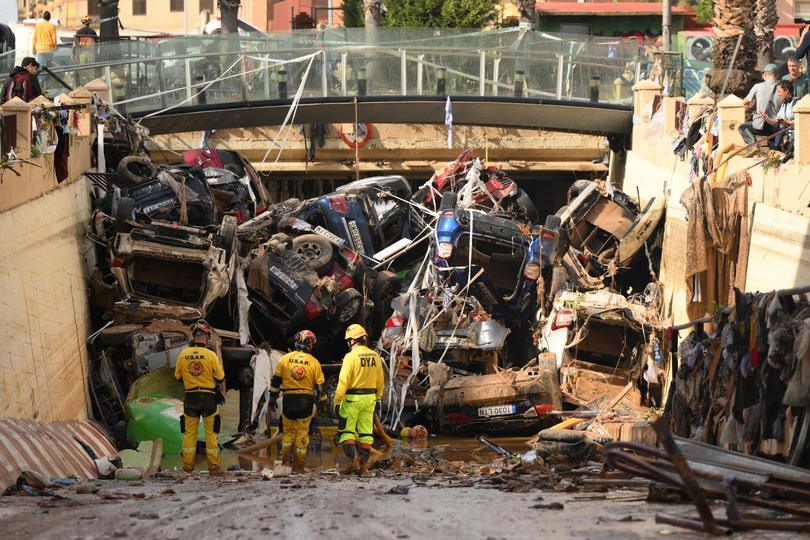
(219, 396)
(272, 403)
(377, 408)
(253, 426)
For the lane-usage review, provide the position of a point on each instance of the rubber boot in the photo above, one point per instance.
(363, 455)
(286, 455)
(350, 450)
(189, 470)
(299, 463)
(214, 470)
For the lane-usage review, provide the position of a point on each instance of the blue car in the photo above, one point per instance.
(363, 214)
(509, 256)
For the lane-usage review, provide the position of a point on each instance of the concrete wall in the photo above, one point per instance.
(779, 199)
(44, 314)
(398, 148)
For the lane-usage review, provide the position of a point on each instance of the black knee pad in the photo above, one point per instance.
(217, 423)
(183, 424)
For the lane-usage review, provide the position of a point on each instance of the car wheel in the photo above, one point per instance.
(118, 334)
(125, 211)
(576, 188)
(349, 303)
(523, 207)
(227, 234)
(387, 288)
(136, 169)
(316, 250)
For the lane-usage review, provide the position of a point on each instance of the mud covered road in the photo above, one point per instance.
(326, 506)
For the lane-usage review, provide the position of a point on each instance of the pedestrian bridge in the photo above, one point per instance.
(509, 78)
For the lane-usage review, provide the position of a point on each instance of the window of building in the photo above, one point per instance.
(139, 7)
(207, 5)
(176, 5)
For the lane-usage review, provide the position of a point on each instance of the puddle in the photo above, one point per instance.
(323, 455)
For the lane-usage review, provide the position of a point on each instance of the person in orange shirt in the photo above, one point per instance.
(44, 42)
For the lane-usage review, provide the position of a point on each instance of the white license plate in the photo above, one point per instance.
(329, 235)
(357, 239)
(497, 410)
(284, 278)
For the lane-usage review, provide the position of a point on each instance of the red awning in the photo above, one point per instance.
(607, 9)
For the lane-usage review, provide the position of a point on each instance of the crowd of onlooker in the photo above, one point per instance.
(773, 100)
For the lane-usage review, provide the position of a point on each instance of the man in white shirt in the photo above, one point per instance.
(763, 95)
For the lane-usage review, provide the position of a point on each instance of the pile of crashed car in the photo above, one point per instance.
(486, 319)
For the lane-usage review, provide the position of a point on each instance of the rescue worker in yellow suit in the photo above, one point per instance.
(201, 372)
(357, 398)
(298, 374)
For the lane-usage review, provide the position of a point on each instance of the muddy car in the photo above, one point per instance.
(287, 295)
(602, 342)
(370, 215)
(175, 194)
(511, 402)
(162, 264)
(467, 339)
(605, 229)
(497, 193)
(508, 256)
(237, 186)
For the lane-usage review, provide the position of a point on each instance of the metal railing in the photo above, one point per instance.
(194, 70)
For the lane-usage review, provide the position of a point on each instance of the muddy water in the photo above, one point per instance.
(323, 455)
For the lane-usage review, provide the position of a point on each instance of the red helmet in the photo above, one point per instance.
(201, 326)
(305, 340)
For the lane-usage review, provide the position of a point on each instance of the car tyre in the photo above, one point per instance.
(227, 234)
(316, 250)
(136, 169)
(349, 305)
(524, 208)
(576, 188)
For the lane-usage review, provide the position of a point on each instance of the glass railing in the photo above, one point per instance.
(153, 74)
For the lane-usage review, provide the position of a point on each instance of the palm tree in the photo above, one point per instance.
(733, 22)
(229, 9)
(764, 22)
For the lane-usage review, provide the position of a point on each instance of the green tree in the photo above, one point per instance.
(704, 11)
(440, 13)
(353, 13)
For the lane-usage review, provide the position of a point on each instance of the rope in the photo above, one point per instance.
(288, 120)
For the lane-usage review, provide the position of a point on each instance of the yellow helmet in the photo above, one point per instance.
(87, 19)
(355, 331)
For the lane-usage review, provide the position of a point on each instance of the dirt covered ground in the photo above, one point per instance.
(312, 506)
(385, 505)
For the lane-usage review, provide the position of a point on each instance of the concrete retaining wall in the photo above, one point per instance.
(44, 313)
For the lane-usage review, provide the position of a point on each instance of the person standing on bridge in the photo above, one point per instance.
(357, 398)
(298, 374)
(44, 43)
(201, 372)
(84, 42)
